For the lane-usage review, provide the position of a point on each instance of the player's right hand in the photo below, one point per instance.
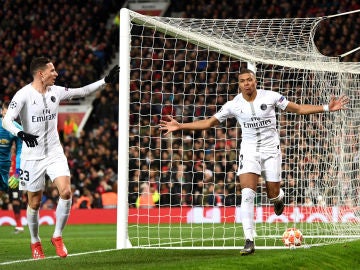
(13, 182)
(169, 126)
(29, 139)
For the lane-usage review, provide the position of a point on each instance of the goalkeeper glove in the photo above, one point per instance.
(29, 139)
(13, 182)
(113, 76)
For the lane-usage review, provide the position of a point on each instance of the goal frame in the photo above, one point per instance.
(122, 238)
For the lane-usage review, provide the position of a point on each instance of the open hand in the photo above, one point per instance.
(338, 104)
(169, 126)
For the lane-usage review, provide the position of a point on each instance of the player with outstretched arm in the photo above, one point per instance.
(260, 153)
(37, 105)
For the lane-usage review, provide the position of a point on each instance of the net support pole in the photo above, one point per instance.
(122, 238)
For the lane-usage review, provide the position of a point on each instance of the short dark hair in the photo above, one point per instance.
(38, 63)
(246, 70)
(5, 104)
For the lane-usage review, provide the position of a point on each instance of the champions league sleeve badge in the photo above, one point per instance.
(13, 105)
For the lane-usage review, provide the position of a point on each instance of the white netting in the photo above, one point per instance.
(188, 68)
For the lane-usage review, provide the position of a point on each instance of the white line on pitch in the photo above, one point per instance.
(53, 257)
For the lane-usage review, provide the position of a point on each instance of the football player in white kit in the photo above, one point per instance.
(37, 106)
(260, 153)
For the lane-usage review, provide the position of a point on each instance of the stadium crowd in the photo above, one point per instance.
(83, 39)
(79, 35)
(199, 168)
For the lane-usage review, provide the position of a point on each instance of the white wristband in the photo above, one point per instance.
(326, 107)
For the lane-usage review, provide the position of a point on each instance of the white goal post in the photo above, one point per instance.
(190, 195)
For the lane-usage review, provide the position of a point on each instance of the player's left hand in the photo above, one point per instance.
(13, 182)
(113, 76)
(338, 104)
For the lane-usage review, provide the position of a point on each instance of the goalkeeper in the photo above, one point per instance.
(260, 152)
(7, 140)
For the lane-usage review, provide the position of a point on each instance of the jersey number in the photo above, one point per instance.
(23, 175)
(241, 165)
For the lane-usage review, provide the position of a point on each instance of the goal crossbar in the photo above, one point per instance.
(243, 49)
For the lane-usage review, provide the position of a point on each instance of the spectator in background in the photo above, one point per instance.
(70, 126)
(97, 201)
(214, 196)
(50, 196)
(84, 201)
(292, 194)
(185, 198)
(198, 193)
(109, 198)
(308, 202)
(164, 194)
(66, 34)
(104, 110)
(148, 197)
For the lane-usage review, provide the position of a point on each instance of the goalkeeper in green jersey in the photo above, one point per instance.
(10, 186)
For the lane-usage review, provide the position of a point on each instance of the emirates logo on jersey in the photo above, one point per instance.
(257, 124)
(13, 105)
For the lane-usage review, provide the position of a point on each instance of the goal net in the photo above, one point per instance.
(181, 190)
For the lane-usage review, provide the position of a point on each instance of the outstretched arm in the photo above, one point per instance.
(334, 105)
(173, 125)
(111, 77)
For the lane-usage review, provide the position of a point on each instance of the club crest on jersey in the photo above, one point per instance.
(13, 105)
(263, 107)
(53, 99)
(4, 141)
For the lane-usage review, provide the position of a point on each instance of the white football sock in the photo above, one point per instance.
(279, 197)
(32, 217)
(247, 212)
(62, 215)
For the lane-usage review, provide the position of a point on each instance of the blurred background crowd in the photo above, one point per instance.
(82, 38)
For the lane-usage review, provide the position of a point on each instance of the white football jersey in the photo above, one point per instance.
(257, 120)
(39, 116)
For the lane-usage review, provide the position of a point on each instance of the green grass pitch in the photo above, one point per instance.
(93, 247)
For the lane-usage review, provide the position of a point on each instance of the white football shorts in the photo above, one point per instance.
(265, 164)
(32, 174)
